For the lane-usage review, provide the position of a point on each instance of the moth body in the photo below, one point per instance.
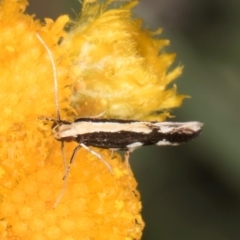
(126, 134)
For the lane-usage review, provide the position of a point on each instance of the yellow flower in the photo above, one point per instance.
(121, 68)
(107, 64)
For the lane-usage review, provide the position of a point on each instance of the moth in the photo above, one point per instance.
(117, 134)
(127, 135)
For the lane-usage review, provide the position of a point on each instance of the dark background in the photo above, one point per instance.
(191, 191)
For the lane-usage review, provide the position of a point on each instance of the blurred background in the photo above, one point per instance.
(191, 192)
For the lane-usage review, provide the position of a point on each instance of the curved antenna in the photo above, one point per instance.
(58, 120)
(54, 77)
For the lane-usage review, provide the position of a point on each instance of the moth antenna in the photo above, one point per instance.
(54, 77)
(58, 117)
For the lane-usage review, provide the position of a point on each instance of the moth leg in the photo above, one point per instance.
(99, 156)
(127, 157)
(67, 170)
(99, 115)
(92, 152)
(112, 152)
(66, 173)
(63, 157)
(71, 161)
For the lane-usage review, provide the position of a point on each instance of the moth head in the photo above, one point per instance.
(60, 130)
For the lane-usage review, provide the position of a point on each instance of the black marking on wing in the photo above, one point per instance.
(120, 140)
